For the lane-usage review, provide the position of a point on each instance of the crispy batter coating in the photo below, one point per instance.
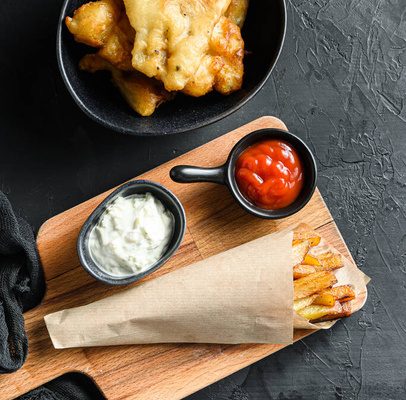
(193, 46)
(143, 94)
(227, 41)
(222, 68)
(172, 36)
(237, 11)
(92, 23)
(105, 25)
(117, 48)
(203, 80)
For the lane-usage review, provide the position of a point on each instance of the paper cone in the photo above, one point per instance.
(243, 295)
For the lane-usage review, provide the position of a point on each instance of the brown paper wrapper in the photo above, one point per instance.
(243, 295)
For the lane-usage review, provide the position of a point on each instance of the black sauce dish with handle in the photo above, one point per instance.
(225, 174)
(169, 201)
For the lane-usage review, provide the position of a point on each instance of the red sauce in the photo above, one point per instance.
(270, 174)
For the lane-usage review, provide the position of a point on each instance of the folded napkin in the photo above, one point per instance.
(21, 285)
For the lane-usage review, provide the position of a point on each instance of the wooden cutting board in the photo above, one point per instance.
(168, 371)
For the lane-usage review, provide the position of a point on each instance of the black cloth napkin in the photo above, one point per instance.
(21, 285)
(21, 288)
(71, 386)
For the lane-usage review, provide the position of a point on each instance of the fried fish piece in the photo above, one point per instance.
(228, 43)
(118, 45)
(172, 36)
(203, 80)
(217, 55)
(104, 24)
(143, 94)
(222, 67)
(93, 22)
(237, 11)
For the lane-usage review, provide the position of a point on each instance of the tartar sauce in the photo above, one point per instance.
(131, 235)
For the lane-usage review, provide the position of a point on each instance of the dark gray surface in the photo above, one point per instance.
(340, 84)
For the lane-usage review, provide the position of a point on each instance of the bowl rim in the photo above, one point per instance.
(87, 225)
(242, 145)
(196, 125)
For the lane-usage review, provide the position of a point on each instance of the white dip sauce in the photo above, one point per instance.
(132, 234)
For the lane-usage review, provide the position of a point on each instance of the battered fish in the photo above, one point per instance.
(237, 11)
(191, 45)
(172, 36)
(105, 25)
(143, 94)
(222, 67)
(93, 22)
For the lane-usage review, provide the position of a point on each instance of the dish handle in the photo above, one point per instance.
(190, 174)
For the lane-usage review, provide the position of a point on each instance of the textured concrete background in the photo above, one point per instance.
(340, 84)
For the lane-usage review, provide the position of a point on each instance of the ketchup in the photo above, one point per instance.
(270, 174)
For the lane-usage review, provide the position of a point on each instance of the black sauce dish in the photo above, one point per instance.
(263, 34)
(225, 174)
(170, 202)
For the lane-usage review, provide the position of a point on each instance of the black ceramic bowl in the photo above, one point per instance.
(170, 202)
(225, 174)
(263, 33)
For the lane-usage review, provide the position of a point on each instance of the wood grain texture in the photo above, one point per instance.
(167, 371)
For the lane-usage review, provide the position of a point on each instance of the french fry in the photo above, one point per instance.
(313, 283)
(302, 303)
(331, 261)
(344, 312)
(299, 252)
(325, 299)
(301, 270)
(328, 261)
(341, 293)
(316, 312)
(300, 236)
(327, 254)
(315, 298)
(310, 260)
